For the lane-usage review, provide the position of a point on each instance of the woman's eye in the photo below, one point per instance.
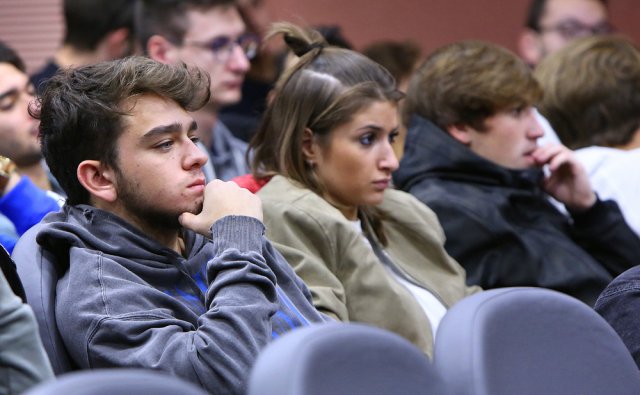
(367, 139)
(393, 136)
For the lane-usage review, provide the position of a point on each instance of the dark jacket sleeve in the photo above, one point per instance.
(219, 351)
(603, 232)
(487, 251)
(23, 361)
(619, 304)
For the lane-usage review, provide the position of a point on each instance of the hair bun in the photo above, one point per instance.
(301, 47)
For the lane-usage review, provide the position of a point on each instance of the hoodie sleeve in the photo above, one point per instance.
(131, 324)
(23, 361)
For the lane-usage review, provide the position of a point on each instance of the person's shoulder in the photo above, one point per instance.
(222, 133)
(285, 200)
(396, 199)
(285, 191)
(399, 206)
(626, 283)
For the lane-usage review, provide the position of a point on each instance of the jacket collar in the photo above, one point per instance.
(431, 152)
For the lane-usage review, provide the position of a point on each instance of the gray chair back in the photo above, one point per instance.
(116, 381)
(531, 341)
(340, 358)
(39, 273)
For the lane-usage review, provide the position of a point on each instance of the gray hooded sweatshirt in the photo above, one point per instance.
(127, 301)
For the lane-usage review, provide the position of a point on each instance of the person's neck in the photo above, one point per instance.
(633, 144)
(206, 119)
(68, 56)
(37, 174)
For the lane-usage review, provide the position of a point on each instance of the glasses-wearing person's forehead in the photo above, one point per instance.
(222, 47)
(572, 28)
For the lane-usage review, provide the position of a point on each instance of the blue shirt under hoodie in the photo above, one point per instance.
(127, 301)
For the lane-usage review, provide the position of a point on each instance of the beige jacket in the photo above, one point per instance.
(346, 278)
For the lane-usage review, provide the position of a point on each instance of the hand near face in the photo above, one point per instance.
(568, 181)
(221, 199)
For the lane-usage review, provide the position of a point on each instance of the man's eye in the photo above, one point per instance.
(518, 111)
(165, 145)
(220, 44)
(195, 139)
(8, 102)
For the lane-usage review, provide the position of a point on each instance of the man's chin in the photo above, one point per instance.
(229, 99)
(28, 159)
(196, 208)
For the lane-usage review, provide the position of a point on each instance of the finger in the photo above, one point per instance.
(187, 220)
(543, 154)
(564, 158)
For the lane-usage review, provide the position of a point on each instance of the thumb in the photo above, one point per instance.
(187, 220)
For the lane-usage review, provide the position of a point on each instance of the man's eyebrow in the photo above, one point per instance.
(10, 92)
(168, 129)
(14, 91)
(162, 130)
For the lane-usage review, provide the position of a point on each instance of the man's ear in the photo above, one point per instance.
(161, 50)
(98, 180)
(462, 133)
(309, 147)
(118, 43)
(530, 47)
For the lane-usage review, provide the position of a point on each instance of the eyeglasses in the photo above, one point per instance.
(572, 28)
(222, 47)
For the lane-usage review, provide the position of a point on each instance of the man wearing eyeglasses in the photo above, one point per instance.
(211, 35)
(551, 24)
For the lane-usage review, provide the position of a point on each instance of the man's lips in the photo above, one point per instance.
(233, 84)
(197, 183)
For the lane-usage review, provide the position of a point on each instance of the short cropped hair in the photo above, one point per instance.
(536, 10)
(466, 82)
(592, 91)
(8, 55)
(87, 22)
(168, 18)
(81, 114)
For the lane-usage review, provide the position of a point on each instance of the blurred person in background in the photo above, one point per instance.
(95, 30)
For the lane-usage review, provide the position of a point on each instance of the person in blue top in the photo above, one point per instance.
(24, 182)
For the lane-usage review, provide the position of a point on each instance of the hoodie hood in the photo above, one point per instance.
(85, 226)
(431, 152)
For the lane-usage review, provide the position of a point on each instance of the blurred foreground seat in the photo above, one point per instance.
(340, 358)
(116, 382)
(531, 341)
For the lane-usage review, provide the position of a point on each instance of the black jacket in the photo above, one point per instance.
(502, 227)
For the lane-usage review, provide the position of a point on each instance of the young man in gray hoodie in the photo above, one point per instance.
(164, 271)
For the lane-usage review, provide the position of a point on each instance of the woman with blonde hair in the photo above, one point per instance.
(367, 252)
